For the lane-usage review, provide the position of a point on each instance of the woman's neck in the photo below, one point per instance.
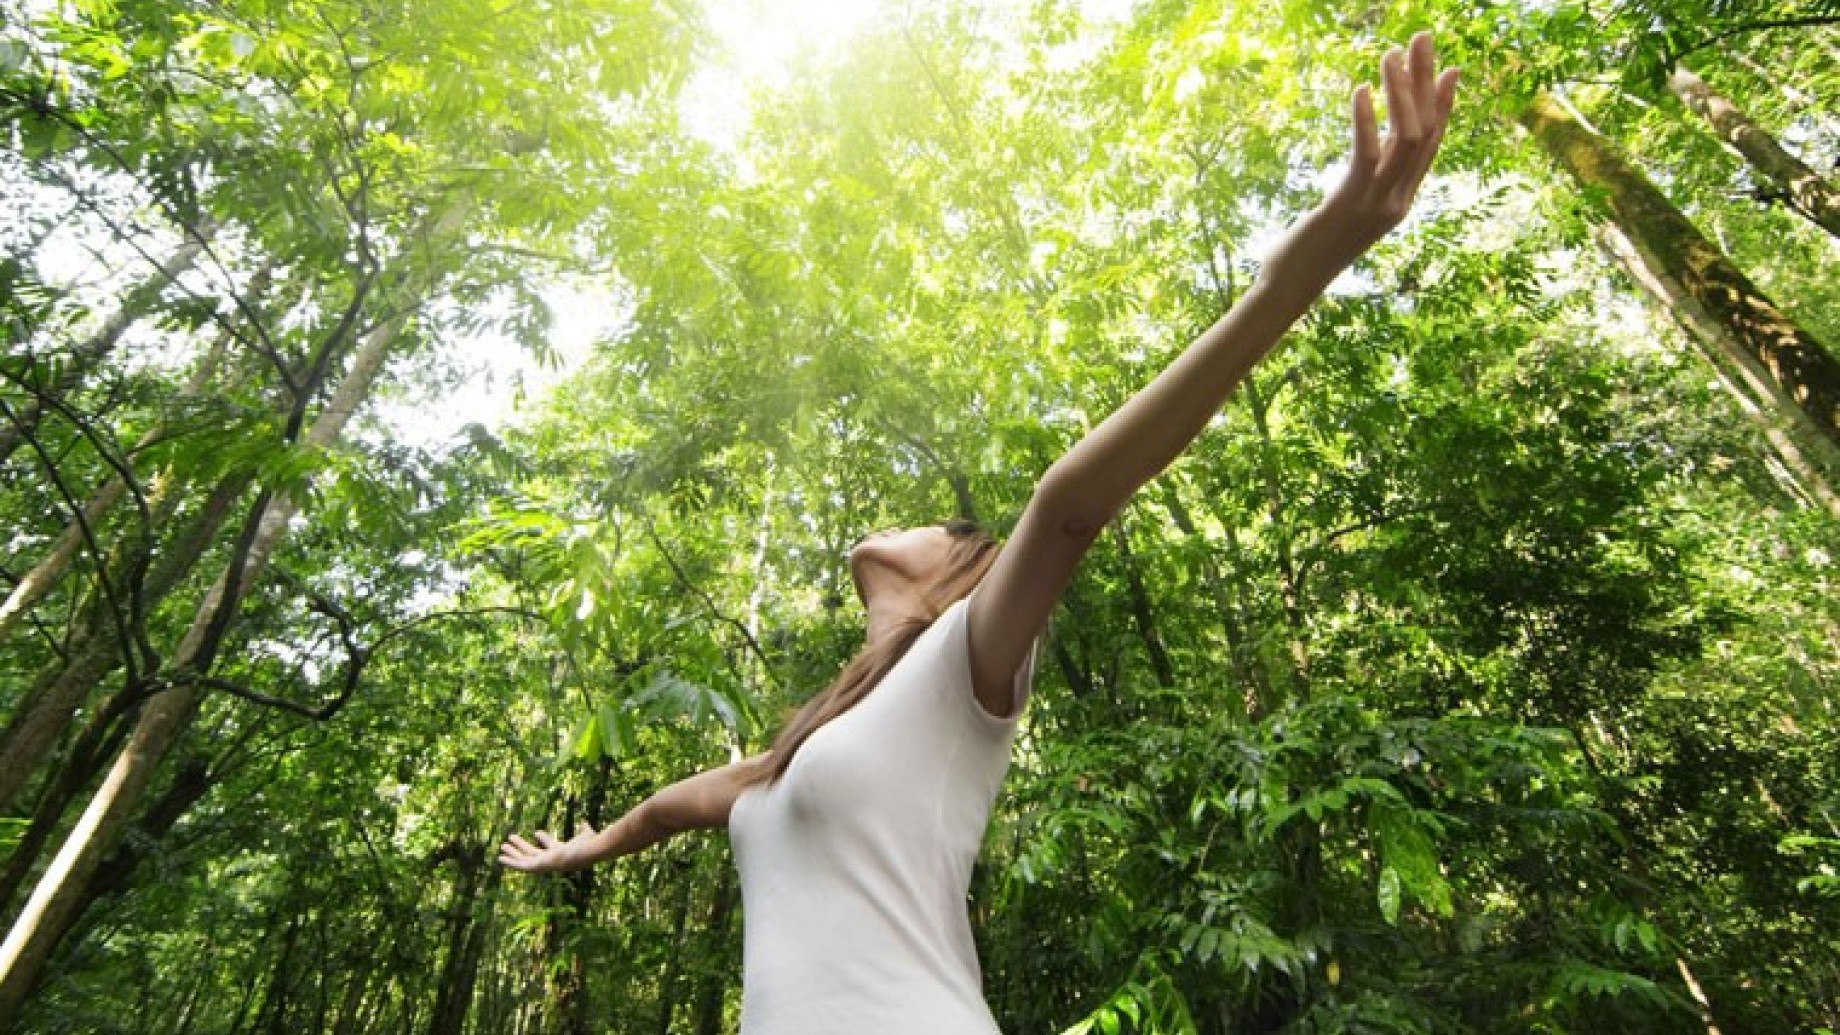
(889, 611)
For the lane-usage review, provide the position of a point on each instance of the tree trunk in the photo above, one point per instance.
(1253, 686)
(191, 784)
(271, 1018)
(1137, 595)
(1802, 373)
(101, 736)
(569, 991)
(1079, 679)
(58, 900)
(189, 1006)
(1803, 460)
(1807, 102)
(350, 1010)
(273, 922)
(1700, 1002)
(667, 984)
(455, 993)
(85, 356)
(566, 995)
(1807, 192)
(708, 1019)
(1290, 587)
(42, 718)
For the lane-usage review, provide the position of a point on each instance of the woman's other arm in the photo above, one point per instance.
(1089, 485)
(699, 803)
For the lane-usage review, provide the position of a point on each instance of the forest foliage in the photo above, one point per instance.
(1477, 669)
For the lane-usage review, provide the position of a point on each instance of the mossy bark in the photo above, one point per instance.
(1800, 372)
(1806, 190)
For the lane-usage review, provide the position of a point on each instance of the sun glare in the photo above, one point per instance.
(760, 46)
(766, 39)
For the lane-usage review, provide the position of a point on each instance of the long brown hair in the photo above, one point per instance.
(970, 556)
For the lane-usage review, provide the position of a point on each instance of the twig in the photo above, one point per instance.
(357, 656)
(709, 603)
(129, 637)
(1804, 22)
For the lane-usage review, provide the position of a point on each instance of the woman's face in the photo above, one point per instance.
(905, 559)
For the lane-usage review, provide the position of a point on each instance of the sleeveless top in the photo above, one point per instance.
(856, 863)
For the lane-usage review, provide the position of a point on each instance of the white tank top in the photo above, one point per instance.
(855, 865)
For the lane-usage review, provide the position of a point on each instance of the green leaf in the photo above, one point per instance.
(1388, 894)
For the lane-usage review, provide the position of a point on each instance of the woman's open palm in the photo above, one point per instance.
(548, 855)
(1384, 175)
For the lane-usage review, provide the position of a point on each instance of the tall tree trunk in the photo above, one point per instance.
(708, 1019)
(567, 997)
(203, 964)
(1807, 192)
(1810, 106)
(1700, 1002)
(41, 719)
(193, 781)
(350, 1010)
(571, 993)
(454, 995)
(1137, 595)
(1802, 373)
(1079, 679)
(274, 922)
(667, 984)
(58, 898)
(1253, 685)
(1804, 461)
(101, 736)
(1290, 587)
(97, 346)
(271, 1018)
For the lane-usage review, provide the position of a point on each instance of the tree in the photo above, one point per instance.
(1802, 373)
(1809, 193)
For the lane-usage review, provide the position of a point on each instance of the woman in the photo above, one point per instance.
(855, 834)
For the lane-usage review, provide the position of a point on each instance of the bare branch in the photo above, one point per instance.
(357, 656)
(715, 611)
(1745, 28)
(126, 627)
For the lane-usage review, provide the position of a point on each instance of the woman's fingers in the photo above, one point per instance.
(1385, 170)
(1421, 62)
(520, 854)
(1446, 97)
(1443, 95)
(523, 851)
(1418, 109)
(1366, 133)
(1401, 111)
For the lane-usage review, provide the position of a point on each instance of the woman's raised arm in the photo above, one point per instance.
(701, 802)
(1084, 489)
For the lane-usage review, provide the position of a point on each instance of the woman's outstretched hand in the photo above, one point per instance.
(548, 855)
(1384, 174)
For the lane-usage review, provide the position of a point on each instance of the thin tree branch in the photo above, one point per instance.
(357, 656)
(1804, 22)
(709, 603)
(262, 343)
(130, 636)
(44, 109)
